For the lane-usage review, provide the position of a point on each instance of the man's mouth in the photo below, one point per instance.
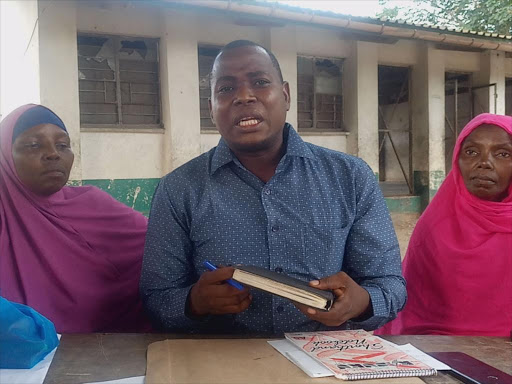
(249, 121)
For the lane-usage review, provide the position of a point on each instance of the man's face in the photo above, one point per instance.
(248, 102)
(43, 158)
(485, 162)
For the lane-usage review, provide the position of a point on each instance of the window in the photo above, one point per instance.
(508, 96)
(118, 81)
(206, 56)
(319, 96)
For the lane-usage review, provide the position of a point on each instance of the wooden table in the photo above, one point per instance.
(100, 357)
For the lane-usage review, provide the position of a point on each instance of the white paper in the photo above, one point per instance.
(128, 380)
(423, 357)
(34, 375)
(301, 359)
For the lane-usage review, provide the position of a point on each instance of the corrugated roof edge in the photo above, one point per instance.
(370, 20)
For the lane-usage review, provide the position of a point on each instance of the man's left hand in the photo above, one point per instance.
(352, 300)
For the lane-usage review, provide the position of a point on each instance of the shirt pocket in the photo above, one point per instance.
(324, 248)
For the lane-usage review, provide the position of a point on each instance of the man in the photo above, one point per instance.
(264, 197)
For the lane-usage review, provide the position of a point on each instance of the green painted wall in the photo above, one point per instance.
(138, 193)
(135, 193)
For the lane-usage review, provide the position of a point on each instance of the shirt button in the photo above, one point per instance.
(279, 308)
(278, 269)
(267, 191)
(275, 228)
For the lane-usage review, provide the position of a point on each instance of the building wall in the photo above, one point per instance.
(19, 54)
(47, 54)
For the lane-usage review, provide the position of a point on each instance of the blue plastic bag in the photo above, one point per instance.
(26, 336)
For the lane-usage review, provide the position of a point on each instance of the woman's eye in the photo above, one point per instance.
(504, 154)
(63, 145)
(470, 152)
(32, 145)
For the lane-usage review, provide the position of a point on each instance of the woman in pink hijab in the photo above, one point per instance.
(458, 265)
(74, 254)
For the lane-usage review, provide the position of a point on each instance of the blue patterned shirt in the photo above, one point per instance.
(321, 213)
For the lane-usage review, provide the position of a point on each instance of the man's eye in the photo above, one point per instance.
(261, 82)
(225, 89)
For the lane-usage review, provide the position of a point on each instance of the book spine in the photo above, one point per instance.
(387, 374)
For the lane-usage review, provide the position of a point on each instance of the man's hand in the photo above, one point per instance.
(351, 300)
(212, 296)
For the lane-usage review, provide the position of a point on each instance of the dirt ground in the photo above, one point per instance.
(404, 224)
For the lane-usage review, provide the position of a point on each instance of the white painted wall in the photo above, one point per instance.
(117, 155)
(19, 54)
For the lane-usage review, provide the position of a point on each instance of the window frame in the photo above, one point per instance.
(209, 129)
(314, 129)
(123, 127)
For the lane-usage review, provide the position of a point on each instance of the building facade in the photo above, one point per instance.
(129, 79)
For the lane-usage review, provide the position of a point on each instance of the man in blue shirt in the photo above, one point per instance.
(264, 197)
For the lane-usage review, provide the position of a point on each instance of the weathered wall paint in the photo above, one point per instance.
(138, 194)
(135, 193)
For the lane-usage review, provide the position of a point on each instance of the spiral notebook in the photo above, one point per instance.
(358, 355)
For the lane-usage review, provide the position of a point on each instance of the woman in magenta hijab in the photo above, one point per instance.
(73, 254)
(458, 265)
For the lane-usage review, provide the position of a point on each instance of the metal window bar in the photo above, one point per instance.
(387, 132)
(474, 98)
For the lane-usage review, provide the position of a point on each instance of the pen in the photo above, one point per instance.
(231, 282)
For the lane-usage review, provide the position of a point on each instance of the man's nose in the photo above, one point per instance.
(244, 95)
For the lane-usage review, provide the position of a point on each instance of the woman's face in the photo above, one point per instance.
(485, 162)
(43, 158)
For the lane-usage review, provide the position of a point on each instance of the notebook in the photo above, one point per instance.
(285, 286)
(358, 355)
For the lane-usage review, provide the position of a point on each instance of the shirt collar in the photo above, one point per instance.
(295, 146)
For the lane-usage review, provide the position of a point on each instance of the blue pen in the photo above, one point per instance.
(231, 282)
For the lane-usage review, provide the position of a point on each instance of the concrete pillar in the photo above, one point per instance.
(428, 109)
(492, 71)
(180, 91)
(282, 43)
(361, 103)
(39, 62)
(58, 66)
(19, 55)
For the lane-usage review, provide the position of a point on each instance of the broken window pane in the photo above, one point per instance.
(118, 80)
(319, 93)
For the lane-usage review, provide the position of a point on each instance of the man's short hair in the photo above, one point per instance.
(248, 43)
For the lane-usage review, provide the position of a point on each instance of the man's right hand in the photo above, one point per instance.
(211, 295)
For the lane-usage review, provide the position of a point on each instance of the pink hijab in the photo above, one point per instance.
(74, 256)
(458, 265)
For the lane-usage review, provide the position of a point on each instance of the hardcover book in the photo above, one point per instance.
(285, 286)
(357, 355)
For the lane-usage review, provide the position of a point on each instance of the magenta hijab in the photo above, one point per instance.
(74, 256)
(458, 264)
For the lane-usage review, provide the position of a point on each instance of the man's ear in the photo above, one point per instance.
(210, 108)
(286, 92)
